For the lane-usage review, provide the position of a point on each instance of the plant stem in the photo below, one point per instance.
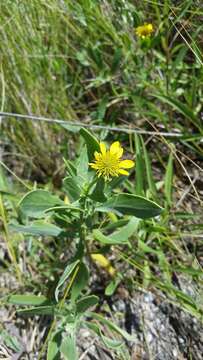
(83, 227)
(67, 289)
(10, 248)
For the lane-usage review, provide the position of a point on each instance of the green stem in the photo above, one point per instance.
(82, 225)
(10, 248)
(61, 304)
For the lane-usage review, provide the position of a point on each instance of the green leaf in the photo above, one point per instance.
(146, 248)
(103, 238)
(36, 202)
(126, 231)
(82, 166)
(119, 237)
(67, 272)
(39, 310)
(139, 185)
(72, 188)
(92, 326)
(68, 347)
(53, 351)
(116, 224)
(85, 303)
(72, 128)
(98, 192)
(110, 343)
(112, 326)
(168, 183)
(70, 167)
(80, 281)
(91, 142)
(37, 228)
(70, 207)
(111, 287)
(128, 204)
(33, 300)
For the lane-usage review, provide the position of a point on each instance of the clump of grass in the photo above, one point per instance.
(83, 61)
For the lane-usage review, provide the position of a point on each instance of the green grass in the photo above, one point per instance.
(81, 60)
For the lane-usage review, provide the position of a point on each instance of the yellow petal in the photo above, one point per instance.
(111, 270)
(126, 164)
(103, 148)
(123, 172)
(150, 27)
(116, 149)
(119, 153)
(96, 155)
(104, 262)
(101, 260)
(93, 166)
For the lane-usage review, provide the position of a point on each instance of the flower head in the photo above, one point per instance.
(108, 163)
(144, 31)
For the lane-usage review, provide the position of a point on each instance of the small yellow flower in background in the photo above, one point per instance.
(108, 163)
(102, 261)
(144, 31)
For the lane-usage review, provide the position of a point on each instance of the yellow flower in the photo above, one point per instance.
(108, 163)
(144, 31)
(104, 262)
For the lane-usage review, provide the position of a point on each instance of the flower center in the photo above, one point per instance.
(110, 161)
(108, 165)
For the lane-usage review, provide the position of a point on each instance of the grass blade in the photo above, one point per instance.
(150, 179)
